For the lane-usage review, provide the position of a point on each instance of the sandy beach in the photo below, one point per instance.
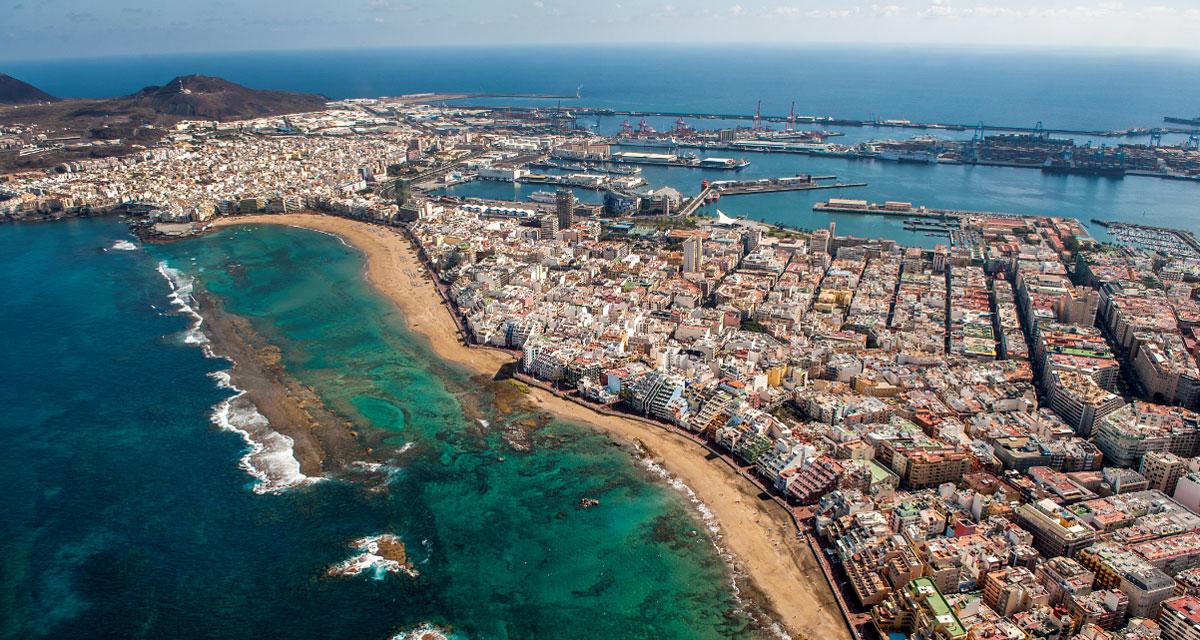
(757, 532)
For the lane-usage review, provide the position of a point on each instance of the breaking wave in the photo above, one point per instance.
(270, 458)
(372, 557)
(770, 625)
(426, 631)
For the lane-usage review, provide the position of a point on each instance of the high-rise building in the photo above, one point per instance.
(818, 242)
(693, 253)
(549, 226)
(564, 206)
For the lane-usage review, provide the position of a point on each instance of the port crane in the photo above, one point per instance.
(758, 116)
(791, 121)
(1193, 142)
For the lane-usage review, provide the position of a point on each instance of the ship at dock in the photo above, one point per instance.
(915, 156)
(1084, 161)
(725, 163)
(543, 197)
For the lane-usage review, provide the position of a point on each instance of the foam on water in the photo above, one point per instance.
(714, 528)
(123, 245)
(328, 233)
(369, 559)
(270, 457)
(426, 631)
(181, 296)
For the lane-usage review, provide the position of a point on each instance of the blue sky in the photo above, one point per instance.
(58, 28)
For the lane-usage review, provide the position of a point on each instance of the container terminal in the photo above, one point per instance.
(1049, 150)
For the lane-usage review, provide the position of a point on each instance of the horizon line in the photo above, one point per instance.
(779, 44)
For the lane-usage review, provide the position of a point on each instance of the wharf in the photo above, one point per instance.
(745, 189)
(910, 212)
(659, 160)
(580, 111)
(562, 181)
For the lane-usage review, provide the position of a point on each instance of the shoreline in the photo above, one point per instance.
(293, 439)
(759, 534)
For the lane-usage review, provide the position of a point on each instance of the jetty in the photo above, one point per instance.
(905, 210)
(773, 185)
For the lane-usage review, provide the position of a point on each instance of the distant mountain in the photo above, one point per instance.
(13, 91)
(138, 120)
(212, 98)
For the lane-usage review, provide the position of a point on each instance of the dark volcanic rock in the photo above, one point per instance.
(13, 91)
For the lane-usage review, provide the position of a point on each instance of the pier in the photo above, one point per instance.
(580, 111)
(906, 210)
(773, 185)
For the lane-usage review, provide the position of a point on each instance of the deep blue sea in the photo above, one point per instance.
(1078, 89)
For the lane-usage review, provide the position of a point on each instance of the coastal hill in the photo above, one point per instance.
(13, 91)
(81, 128)
(211, 98)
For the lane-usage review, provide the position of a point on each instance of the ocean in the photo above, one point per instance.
(126, 514)
(1083, 89)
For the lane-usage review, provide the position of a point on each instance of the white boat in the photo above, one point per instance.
(544, 197)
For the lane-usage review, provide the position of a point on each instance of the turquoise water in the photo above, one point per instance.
(125, 514)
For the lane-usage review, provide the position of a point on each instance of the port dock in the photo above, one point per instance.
(580, 111)
(774, 185)
(906, 210)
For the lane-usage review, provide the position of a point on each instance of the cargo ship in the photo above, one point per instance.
(1191, 122)
(1069, 168)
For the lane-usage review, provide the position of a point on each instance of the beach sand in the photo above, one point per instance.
(757, 531)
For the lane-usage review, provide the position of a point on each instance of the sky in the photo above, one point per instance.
(32, 29)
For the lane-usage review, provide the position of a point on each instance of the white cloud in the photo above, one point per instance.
(799, 12)
(1107, 9)
(737, 10)
(886, 10)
